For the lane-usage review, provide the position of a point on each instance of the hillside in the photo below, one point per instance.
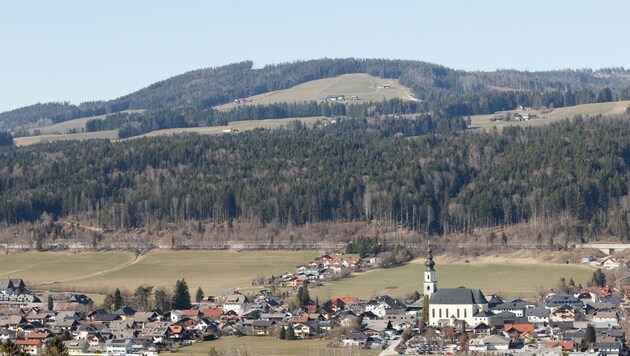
(439, 86)
(362, 86)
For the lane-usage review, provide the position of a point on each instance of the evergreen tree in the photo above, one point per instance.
(589, 336)
(290, 335)
(283, 333)
(425, 309)
(51, 305)
(55, 347)
(303, 297)
(199, 295)
(5, 138)
(599, 278)
(181, 295)
(118, 302)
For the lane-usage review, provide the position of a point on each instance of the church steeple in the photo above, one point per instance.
(430, 281)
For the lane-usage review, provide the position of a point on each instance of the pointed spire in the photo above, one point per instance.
(429, 264)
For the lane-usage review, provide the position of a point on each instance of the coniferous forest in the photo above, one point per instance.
(422, 174)
(429, 174)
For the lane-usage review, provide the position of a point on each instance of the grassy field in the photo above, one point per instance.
(214, 271)
(510, 279)
(75, 124)
(613, 108)
(365, 86)
(270, 346)
(244, 125)
(30, 140)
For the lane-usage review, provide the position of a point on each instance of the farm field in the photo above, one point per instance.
(244, 125)
(214, 271)
(365, 86)
(612, 108)
(75, 124)
(30, 140)
(269, 346)
(509, 279)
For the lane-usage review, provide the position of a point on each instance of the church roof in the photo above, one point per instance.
(459, 295)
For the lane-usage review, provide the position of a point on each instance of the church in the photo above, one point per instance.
(448, 305)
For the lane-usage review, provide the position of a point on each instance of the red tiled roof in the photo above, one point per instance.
(566, 345)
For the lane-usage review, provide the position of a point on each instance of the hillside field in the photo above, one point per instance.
(612, 108)
(365, 86)
(244, 125)
(270, 346)
(63, 128)
(514, 279)
(216, 271)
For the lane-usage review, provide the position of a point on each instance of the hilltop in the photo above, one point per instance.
(451, 92)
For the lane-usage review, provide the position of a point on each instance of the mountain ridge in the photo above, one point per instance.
(207, 87)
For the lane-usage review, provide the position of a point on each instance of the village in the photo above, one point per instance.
(576, 320)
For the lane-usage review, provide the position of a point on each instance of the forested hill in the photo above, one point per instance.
(422, 174)
(456, 92)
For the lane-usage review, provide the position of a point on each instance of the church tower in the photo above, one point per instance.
(430, 282)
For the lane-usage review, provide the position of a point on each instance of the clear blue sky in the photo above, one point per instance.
(98, 50)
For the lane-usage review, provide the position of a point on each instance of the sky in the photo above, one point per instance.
(82, 50)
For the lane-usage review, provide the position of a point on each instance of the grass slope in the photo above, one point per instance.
(75, 124)
(244, 125)
(510, 279)
(232, 345)
(214, 271)
(30, 140)
(612, 108)
(365, 86)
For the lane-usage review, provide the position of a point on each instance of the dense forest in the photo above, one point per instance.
(424, 174)
(453, 91)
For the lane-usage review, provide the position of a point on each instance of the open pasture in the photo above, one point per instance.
(216, 271)
(31, 140)
(509, 279)
(213, 271)
(244, 125)
(612, 108)
(365, 86)
(266, 345)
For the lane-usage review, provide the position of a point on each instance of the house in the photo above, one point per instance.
(537, 316)
(262, 327)
(489, 343)
(32, 347)
(516, 306)
(563, 313)
(357, 339)
(118, 347)
(235, 303)
(555, 301)
(563, 345)
(302, 330)
(335, 97)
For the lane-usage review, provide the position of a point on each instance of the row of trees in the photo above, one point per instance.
(179, 298)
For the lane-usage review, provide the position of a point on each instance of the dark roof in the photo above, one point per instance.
(459, 295)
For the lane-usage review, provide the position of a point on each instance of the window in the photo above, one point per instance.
(428, 287)
(446, 316)
(457, 313)
(433, 313)
(440, 310)
(465, 313)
